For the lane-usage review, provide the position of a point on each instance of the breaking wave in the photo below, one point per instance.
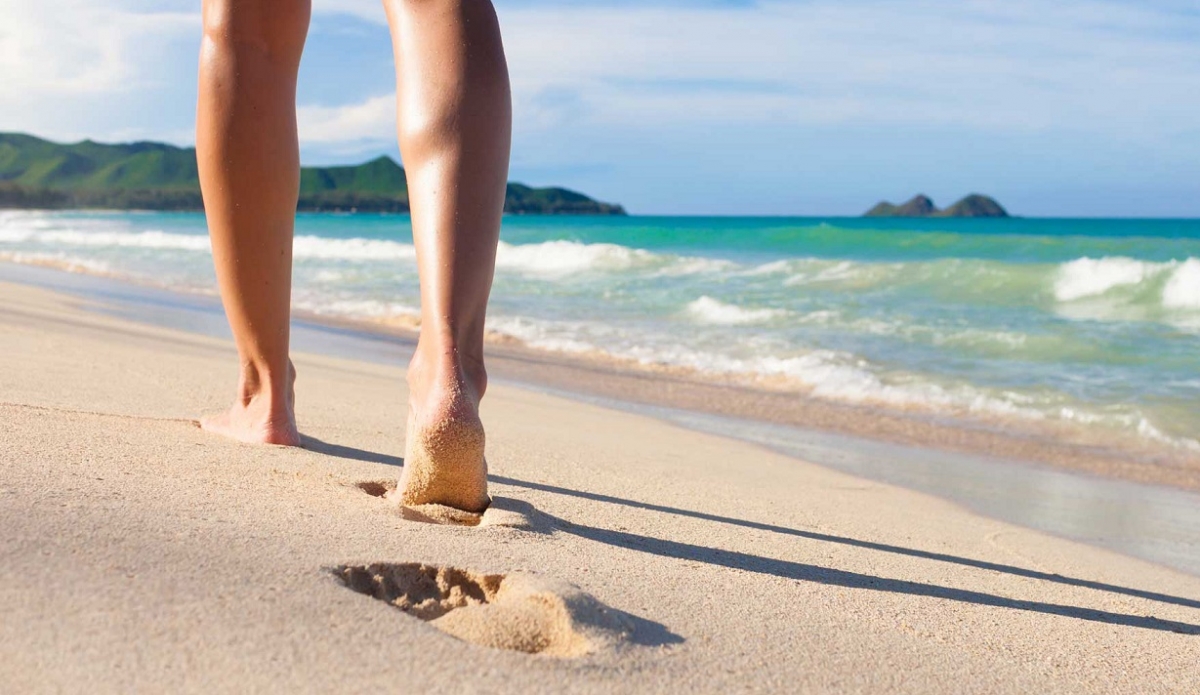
(715, 312)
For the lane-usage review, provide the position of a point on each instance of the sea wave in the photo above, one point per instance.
(368, 309)
(1132, 288)
(322, 248)
(303, 247)
(707, 310)
(832, 375)
(1182, 290)
(149, 239)
(1123, 289)
(60, 261)
(1091, 277)
(560, 258)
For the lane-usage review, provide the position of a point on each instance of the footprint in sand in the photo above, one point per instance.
(522, 612)
(502, 512)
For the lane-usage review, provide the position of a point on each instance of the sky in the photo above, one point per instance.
(730, 107)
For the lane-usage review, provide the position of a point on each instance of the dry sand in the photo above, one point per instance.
(140, 554)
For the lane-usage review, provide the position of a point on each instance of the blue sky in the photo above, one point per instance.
(1067, 107)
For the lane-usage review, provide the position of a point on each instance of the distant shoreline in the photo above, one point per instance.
(40, 174)
(843, 217)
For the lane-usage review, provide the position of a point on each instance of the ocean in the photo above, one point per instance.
(1090, 323)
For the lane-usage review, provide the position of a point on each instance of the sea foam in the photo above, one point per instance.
(1091, 277)
(1182, 290)
(712, 311)
(352, 249)
(561, 258)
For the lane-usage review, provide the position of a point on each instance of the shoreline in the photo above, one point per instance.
(1076, 490)
(1023, 373)
(1060, 445)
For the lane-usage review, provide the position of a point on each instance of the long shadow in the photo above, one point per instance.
(348, 452)
(805, 572)
(823, 575)
(870, 545)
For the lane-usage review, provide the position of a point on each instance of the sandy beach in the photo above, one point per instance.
(141, 554)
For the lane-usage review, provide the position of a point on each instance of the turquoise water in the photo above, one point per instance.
(1087, 321)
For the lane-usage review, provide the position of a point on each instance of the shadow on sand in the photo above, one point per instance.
(814, 573)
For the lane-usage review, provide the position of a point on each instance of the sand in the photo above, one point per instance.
(141, 554)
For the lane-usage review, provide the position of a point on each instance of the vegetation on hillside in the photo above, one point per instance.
(37, 173)
(974, 205)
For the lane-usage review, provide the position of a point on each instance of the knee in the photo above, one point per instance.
(275, 29)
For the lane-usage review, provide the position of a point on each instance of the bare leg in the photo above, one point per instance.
(248, 155)
(455, 126)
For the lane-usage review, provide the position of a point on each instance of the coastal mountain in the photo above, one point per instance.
(974, 205)
(37, 173)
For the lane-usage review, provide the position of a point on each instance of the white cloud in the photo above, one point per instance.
(1102, 66)
(1111, 86)
(1020, 64)
(70, 47)
(370, 120)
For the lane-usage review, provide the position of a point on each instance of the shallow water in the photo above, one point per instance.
(1094, 322)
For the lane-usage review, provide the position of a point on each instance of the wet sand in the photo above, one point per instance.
(140, 553)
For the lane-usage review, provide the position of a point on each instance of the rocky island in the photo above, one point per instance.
(37, 173)
(974, 205)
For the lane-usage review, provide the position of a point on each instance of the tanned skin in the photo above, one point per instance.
(455, 121)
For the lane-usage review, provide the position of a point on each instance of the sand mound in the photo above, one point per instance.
(501, 511)
(522, 612)
(440, 514)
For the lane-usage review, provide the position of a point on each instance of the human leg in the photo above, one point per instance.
(454, 116)
(249, 164)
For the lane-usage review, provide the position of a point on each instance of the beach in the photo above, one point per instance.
(144, 554)
(600, 347)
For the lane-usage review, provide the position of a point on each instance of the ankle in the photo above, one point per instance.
(441, 362)
(266, 388)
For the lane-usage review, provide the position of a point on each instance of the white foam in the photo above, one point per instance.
(827, 374)
(352, 249)
(58, 260)
(329, 276)
(152, 239)
(691, 265)
(711, 311)
(561, 258)
(771, 268)
(303, 247)
(356, 308)
(820, 271)
(544, 335)
(1182, 290)
(1091, 277)
(14, 235)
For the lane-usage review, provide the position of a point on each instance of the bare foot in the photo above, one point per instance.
(256, 417)
(443, 458)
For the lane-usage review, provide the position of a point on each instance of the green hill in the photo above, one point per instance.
(918, 206)
(37, 173)
(974, 205)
